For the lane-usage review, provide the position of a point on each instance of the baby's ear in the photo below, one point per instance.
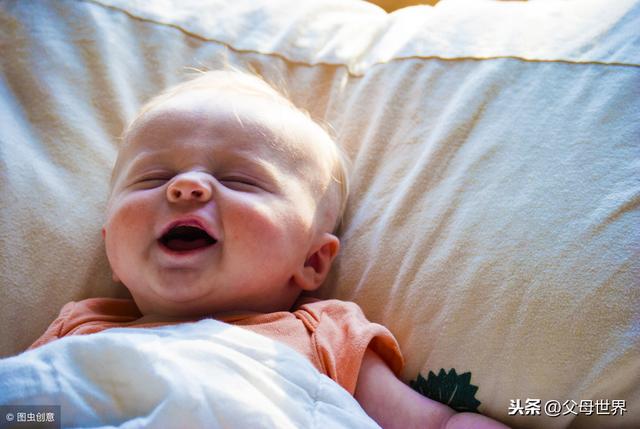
(318, 263)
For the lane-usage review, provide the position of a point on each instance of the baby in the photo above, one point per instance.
(224, 202)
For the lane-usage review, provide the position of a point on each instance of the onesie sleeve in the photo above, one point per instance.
(340, 335)
(56, 328)
(88, 316)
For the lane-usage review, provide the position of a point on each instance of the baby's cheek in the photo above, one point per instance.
(128, 221)
(257, 220)
(128, 230)
(129, 210)
(263, 225)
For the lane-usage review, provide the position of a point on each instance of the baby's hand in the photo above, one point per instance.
(393, 404)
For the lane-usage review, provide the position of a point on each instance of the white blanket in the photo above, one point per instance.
(205, 374)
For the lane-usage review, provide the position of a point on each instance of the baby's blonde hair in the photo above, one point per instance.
(252, 83)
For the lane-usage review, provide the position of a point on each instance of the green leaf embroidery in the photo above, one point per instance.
(451, 389)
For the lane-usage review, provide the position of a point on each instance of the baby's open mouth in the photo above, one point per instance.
(185, 238)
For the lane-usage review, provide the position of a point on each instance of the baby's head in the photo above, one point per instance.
(225, 197)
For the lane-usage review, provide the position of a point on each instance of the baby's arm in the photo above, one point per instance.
(393, 404)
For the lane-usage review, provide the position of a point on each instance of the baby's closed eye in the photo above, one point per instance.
(239, 183)
(147, 182)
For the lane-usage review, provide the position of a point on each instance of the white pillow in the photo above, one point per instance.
(493, 224)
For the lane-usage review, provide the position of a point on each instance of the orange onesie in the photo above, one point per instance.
(332, 334)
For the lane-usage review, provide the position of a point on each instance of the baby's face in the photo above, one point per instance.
(215, 206)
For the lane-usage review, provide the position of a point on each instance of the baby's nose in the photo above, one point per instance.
(191, 186)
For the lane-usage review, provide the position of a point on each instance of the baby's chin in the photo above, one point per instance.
(194, 300)
(173, 305)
